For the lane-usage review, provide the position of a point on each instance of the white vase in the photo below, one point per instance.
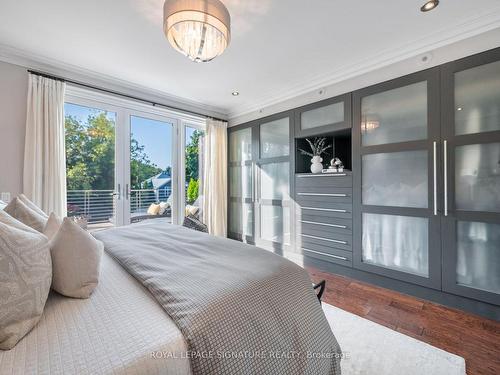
(316, 164)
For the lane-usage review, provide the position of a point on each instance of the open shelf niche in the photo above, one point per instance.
(342, 149)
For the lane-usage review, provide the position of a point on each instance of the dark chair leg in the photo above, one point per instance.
(321, 286)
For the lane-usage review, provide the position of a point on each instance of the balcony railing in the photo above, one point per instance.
(98, 206)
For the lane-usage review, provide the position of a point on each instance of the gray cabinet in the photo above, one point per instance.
(323, 117)
(260, 182)
(324, 216)
(395, 138)
(471, 215)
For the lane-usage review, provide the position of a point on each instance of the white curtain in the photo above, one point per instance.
(215, 178)
(44, 154)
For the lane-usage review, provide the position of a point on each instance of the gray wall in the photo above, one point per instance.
(13, 92)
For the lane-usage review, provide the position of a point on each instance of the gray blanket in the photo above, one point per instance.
(241, 309)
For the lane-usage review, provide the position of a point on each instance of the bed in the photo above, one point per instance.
(166, 292)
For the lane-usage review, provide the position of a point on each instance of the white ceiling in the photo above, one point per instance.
(279, 48)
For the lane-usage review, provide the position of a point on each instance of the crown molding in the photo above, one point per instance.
(28, 60)
(438, 38)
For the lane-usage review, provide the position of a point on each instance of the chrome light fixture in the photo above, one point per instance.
(429, 5)
(199, 29)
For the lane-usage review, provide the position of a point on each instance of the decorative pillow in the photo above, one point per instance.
(163, 207)
(25, 276)
(31, 205)
(192, 222)
(2, 205)
(76, 260)
(20, 211)
(154, 209)
(52, 226)
(191, 210)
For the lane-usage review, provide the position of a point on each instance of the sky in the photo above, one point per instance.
(155, 136)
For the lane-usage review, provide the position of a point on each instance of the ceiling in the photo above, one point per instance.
(279, 48)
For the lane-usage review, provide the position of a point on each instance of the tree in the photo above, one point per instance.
(192, 191)
(90, 155)
(192, 156)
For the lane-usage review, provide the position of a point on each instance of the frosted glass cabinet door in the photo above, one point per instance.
(274, 138)
(477, 99)
(240, 181)
(478, 256)
(274, 181)
(400, 243)
(477, 177)
(397, 179)
(241, 219)
(275, 224)
(397, 115)
(240, 145)
(327, 115)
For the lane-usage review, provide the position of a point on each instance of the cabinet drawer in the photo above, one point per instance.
(314, 194)
(326, 240)
(306, 226)
(342, 180)
(340, 210)
(328, 254)
(322, 220)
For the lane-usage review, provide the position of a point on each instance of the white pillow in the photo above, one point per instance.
(191, 210)
(163, 207)
(25, 275)
(52, 226)
(76, 260)
(20, 211)
(31, 205)
(2, 205)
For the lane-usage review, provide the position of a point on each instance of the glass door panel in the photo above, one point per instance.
(478, 256)
(397, 242)
(477, 177)
(327, 115)
(92, 192)
(151, 170)
(397, 115)
(477, 99)
(193, 185)
(274, 139)
(396, 179)
(241, 186)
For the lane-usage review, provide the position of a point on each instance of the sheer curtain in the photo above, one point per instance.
(44, 154)
(215, 178)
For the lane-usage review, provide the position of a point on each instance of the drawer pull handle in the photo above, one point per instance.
(324, 224)
(324, 239)
(322, 175)
(325, 254)
(324, 209)
(321, 195)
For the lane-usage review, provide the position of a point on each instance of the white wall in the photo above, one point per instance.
(13, 92)
(451, 52)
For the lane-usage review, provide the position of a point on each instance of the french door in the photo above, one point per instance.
(126, 162)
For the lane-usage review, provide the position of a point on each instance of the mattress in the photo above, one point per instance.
(120, 329)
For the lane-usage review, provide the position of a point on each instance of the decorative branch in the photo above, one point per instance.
(317, 147)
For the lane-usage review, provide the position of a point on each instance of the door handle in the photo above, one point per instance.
(445, 155)
(434, 145)
(118, 193)
(127, 192)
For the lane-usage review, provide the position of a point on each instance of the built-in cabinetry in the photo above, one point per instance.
(420, 211)
(260, 172)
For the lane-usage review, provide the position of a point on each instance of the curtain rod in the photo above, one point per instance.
(154, 104)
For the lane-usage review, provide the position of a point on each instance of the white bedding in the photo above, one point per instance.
(115, 331)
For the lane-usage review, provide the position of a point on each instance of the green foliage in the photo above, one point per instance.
(90, 155)
(192, 191)
(192, 156)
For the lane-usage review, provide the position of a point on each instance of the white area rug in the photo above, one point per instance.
(372, 349)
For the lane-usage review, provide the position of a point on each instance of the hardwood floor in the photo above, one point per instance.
(469, 336)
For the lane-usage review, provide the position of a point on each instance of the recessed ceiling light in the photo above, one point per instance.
(430, 5)
(235, 93)
(459, 108)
